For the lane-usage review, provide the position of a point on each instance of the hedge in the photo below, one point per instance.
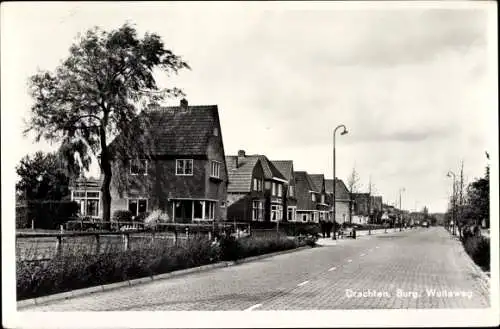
(76, 270)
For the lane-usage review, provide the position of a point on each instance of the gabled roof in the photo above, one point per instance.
(303, 187)
(285, 167)
(318, 181)
(240, 173)
(270, 171)
(174, 130)
(341, 191)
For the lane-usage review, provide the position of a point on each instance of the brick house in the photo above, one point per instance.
(176, 165)
(285, 167)
(343, 201)
(273, 185)
(322, 206)
(245, 191)
(306, 198)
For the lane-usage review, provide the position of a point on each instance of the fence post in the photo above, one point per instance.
(187, 233)
(33, 224)
(97, 244)
(125, 241)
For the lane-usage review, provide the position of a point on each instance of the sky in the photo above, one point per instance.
(415, 85)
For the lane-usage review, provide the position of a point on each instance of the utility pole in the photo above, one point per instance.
(461, 195)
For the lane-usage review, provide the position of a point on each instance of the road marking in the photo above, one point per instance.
(349, 260)
(251, 308)
(303, 283)
(332, 269)
(362, 255)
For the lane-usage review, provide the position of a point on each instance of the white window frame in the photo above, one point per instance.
(291, 191)
(257, 184)
(273, 188)
(145, 165)
(137, 210)
(278, 210)
(280, 190)
(259, 210)
(313, 197)
(214, 165)
(184, 161)
(82, 200)
(322, 198)
(303, 215)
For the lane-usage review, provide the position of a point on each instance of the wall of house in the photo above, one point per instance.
(342, 211)
(216, 189)
(160, 184)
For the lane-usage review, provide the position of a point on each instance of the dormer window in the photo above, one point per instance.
(138, 167)
(313, 197)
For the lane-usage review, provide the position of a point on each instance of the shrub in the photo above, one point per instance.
(157, 216)
(233, 249)
(122, 216)
(51, 214)
(75, 269)
(478, 248)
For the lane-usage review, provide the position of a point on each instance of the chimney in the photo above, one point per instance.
(184, 104)
(241, 156)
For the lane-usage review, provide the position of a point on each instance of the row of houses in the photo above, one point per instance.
(184, 171)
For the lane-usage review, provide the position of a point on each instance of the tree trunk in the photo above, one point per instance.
(105, 164)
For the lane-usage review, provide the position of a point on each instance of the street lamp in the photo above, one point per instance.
(344, 131)
(453, 219)
(400, 209)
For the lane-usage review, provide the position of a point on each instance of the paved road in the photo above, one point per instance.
(393, 270)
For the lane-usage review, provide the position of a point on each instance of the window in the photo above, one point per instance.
(273, 190)
(216, 132)
(276, 212)
(257, 210)
(215, 172)
(198, 209)
(313, 216)
(304, 217)
(138, 167)
(321, 216)
(137, 206)
(280, 190)
(322, 198)
(268, 185)
(291, 214)
(184, 167)
(291, 191)
(313, 197)
(257, 184)
(209, 210)
(88, 201)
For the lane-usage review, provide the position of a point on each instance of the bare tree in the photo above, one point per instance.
(353, 185)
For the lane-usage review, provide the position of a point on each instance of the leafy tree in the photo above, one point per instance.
(96, 93)
(42, 177)
(477, 207)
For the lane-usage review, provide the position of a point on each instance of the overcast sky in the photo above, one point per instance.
(412, 85)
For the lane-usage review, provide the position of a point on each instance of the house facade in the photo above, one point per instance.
(306, 198)
(268, 200)
(285, 167)
(246, 197)
(323, 207)
(342, 202)
(177, 165)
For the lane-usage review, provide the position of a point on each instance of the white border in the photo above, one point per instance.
(368, 318)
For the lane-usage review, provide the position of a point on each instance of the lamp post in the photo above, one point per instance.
(453, 219)
(344, 131)
(400, 209)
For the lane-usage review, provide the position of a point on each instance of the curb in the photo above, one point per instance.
(128, 283)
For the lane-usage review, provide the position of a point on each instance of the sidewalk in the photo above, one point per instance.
(359, 235)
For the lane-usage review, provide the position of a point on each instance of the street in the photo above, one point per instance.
(420, 268)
